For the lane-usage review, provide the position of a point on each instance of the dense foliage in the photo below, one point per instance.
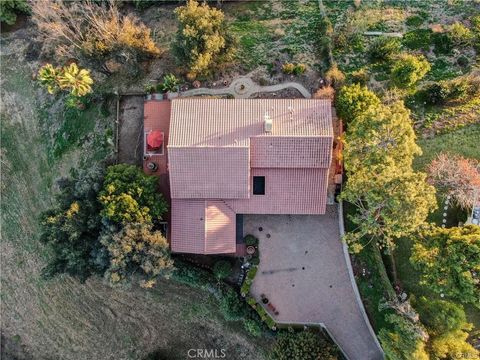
(68, 78)
(383, 48)
(231, 306)
(302, 345)
(353, 101)
(408, 69)
(70, 230)
(10, 8)
(405, 341)
(203, 41)
(91, 231)
(392, 200)
(447, 325)
(222, 269)
(136, 247)
(71, 29)
(456, 176)
(130, 196)
(449, 260)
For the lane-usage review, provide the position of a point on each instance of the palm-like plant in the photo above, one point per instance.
(47, 75)
(170, 83)
(78, 81)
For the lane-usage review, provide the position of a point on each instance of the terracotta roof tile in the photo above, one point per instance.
(290, 152)
(287, 191)
(209, 173)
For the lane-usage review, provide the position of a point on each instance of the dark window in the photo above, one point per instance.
(259, 185)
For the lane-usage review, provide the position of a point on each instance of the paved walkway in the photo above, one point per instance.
(305, 275)
(243, 88)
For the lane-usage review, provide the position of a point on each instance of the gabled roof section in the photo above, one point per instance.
(202, 227)
(209, 172)
(232, 122)
(291, 152)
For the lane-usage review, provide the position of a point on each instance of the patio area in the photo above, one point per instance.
(304, 275)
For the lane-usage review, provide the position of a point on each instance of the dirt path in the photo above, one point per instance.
(243, 88)
(130, 130)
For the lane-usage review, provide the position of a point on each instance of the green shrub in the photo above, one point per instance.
(299, 69)
(10, 8)
(302, 345)
(71, 229)
(255, 260)
(353, 100)
(463, 61)
(128, 195)
(203, 41)
(252, 327)
(252, 272)
(409, 69)
(245, 289)
(415, 20)
(417, 39)
(170, 83)
(443, 43)
(190, 275)
(288, 68)
(251, 301)
(231, 305)
(383, 48)
(359, 76)
(251, 240)
(435, 94)
(222, 269)
(404, 341)
(475, 20)
(460, 35)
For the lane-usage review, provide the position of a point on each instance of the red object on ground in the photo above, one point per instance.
(155, 139)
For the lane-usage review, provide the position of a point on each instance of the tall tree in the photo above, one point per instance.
(380, 137)
(354, 100)
(449, 260)
(405, 341)
(203, 40)
(130, 196)
(71, 229)
(456, 176)
(408, 69)
(138, 249)
(391, 199)
(391, 203)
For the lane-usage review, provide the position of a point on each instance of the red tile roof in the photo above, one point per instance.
(287, 191)
(215, 148)
(290, 152)
(232, 122)
(209, 172)
(202, 227)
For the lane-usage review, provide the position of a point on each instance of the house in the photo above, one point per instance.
(221, 158)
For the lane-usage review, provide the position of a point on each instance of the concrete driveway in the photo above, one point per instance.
(304, 274)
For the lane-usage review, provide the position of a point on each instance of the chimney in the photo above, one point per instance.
(268, 124)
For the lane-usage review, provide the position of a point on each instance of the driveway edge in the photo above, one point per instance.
(352, 277)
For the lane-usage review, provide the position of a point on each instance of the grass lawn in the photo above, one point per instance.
(280, 30)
